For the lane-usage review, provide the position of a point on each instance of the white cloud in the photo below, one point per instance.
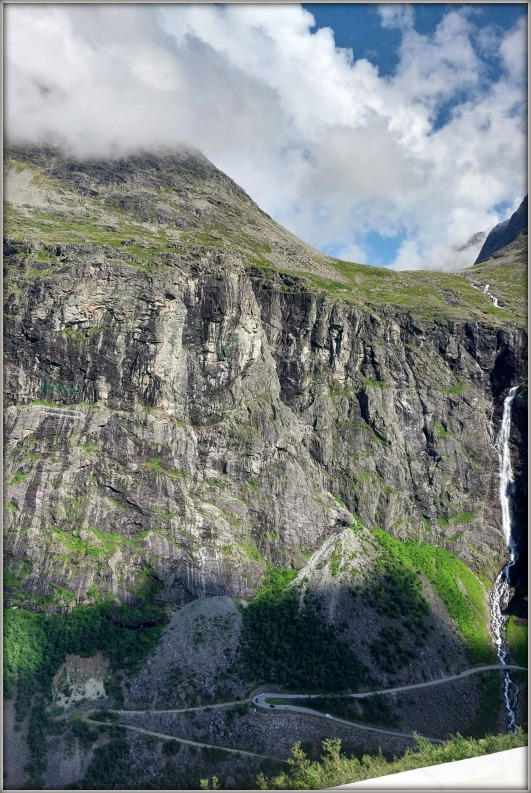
(395, 15)
(513, 50)
(317, 138)
(353, 253)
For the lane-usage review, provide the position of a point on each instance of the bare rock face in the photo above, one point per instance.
(188, 397)
(504, 233)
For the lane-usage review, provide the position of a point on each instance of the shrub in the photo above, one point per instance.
(335, 768)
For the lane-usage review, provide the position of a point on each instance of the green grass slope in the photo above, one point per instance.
(182, 207)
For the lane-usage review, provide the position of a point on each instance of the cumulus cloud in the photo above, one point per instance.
(396, 15)
(320, 140)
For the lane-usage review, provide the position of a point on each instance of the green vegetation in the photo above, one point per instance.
(335, 768)
(486, 716)
(94, 542)
(372, 383)
(250, 549)
(424, 292)
(35, 645)
(445, 571)
(441, 431)
(517, 640)
(290, 646)
(388, 651)
(64, 594)
(276, 580)
(463, 517)
(86, 734)
(209, 784)
(393, 589)
(133, 240)
(507, 278)
(335, 561)
(155, 465)
(39, 727)
(17, 165)
(76, 334)
(428, 294)
(19, 477)
(110, 768)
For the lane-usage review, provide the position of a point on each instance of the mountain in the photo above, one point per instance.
(211, 423)
(505, 233)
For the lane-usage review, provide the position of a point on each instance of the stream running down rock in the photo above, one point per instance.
(501, 589)
(489, 294)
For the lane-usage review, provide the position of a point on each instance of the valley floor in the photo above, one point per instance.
(238, 739)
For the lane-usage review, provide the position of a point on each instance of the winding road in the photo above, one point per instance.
(359, 725)
(437, 682)
(259, 700)
(187, 710)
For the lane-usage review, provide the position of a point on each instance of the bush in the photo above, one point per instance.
(35, 645)
(171, 747)
(86, 734)
(334, 768)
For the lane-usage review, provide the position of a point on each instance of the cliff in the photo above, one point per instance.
(505, 233)
(192, 393)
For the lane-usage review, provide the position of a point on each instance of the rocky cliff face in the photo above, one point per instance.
(505, 233)
(191, 392)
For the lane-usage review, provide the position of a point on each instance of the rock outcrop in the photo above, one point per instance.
(191, 393)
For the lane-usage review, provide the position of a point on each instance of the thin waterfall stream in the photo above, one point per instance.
(501, 590)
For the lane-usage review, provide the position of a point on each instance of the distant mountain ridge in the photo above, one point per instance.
(504, 233)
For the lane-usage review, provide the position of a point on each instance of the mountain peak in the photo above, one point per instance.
(504, 233)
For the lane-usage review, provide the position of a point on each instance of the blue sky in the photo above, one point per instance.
(357, 26)
(382, 134)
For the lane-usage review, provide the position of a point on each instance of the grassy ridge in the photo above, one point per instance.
(259, 241)
(445, 571)
(427, 294)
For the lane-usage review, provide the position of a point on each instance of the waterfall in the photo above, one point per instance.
(501, 589)
(487, 292)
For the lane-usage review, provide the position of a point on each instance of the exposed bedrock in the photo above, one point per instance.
(181, 427)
